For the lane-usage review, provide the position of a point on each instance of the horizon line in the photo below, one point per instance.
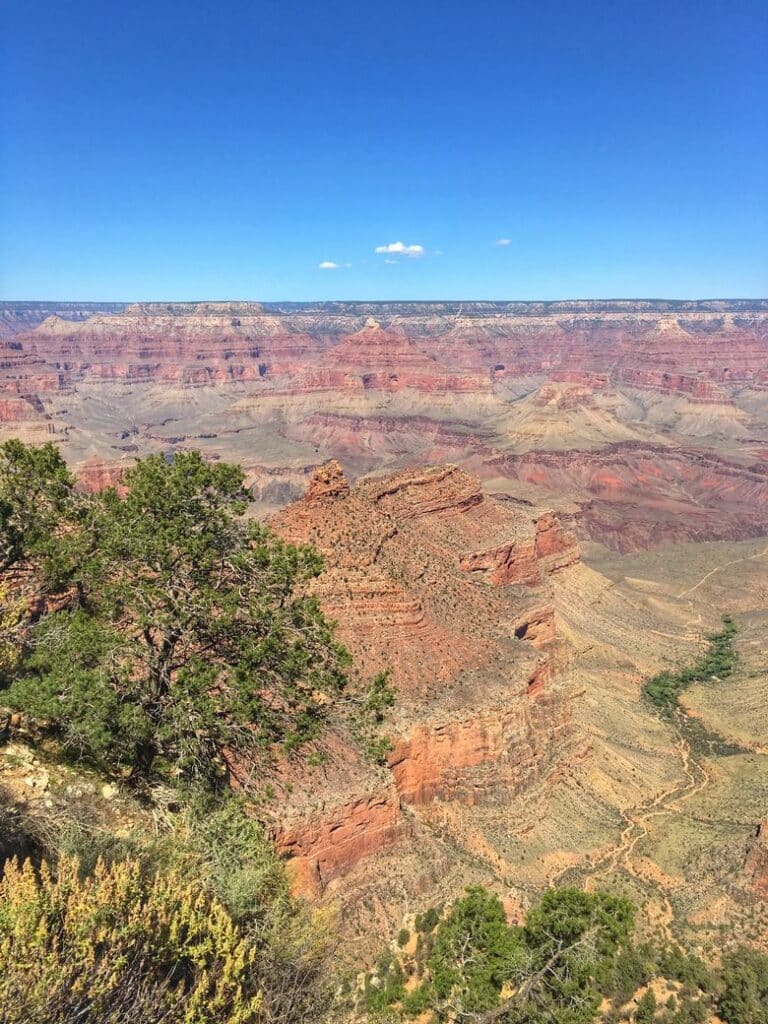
(390, 301)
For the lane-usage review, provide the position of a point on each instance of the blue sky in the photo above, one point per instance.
(185, 149)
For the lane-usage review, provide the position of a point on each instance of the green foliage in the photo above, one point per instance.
(688, 968)
(190, 631)
(646, 1008)
(556, 967)
(744, 998)
(12, 611)
(370, 711)
(229, 851)
(427, 922)
(386, 986)
(217, 851)
(221, 847)
(634, 966)
(564, 916)
(36, 495)
(402, 937)
(474, 952)
(718, 661)
(574, 938)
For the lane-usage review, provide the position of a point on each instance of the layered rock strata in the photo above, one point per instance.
(483, 705)
(283, 387)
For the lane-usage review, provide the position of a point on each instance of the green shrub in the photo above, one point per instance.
(744, 979)
(474, 953)
(718, 661)
(646, 1008)
(427, 922)
(191, 631)
(113, 947)
(633, 967)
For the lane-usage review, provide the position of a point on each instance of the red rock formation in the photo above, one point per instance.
(322, 848)
(511, 741)
(327, 482)
(756, 863)
(292, 385)
(482, 710)
(17, 410)
(634, 496)
(94, 476)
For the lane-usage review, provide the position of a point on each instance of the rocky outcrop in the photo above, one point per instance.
(509, 563)
(94, 476)
(756, 863)
(327, 482)
(523, 559)
(483, 707)
(322, 848)
(512, 743)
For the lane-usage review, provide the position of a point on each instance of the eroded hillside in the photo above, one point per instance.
(605, 389)
(524, 750)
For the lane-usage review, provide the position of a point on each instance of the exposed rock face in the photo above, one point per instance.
(323, 848)
(756, 864)
(327, 482)
(483, 707)
(94, 476)
(634, 495)
(511, 743)
(283, 387)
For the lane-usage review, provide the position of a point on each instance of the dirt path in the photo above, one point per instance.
(725, 565)
(622, 855)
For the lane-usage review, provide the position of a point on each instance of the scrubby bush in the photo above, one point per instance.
(646, 1008)
(556, 967)
(114, 947)
(474, 952)
(36, 496)
(221, 860)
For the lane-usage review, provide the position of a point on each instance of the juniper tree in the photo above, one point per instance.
(187, 630)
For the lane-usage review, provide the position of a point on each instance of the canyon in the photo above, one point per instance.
(653, 415)
(524, 510)
(522, 753)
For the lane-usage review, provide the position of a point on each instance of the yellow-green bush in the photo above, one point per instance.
(11, 611)
(116, 947)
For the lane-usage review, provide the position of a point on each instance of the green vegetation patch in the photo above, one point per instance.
(574, 961)
(718, 661)
(165, 625)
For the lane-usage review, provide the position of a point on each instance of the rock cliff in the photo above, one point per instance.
(483, 705)
(284, 387)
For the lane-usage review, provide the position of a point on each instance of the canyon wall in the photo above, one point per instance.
(652, 415)
(483, 710)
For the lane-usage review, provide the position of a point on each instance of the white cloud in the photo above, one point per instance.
(401, 249)
(504, 241)
(331, 265)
